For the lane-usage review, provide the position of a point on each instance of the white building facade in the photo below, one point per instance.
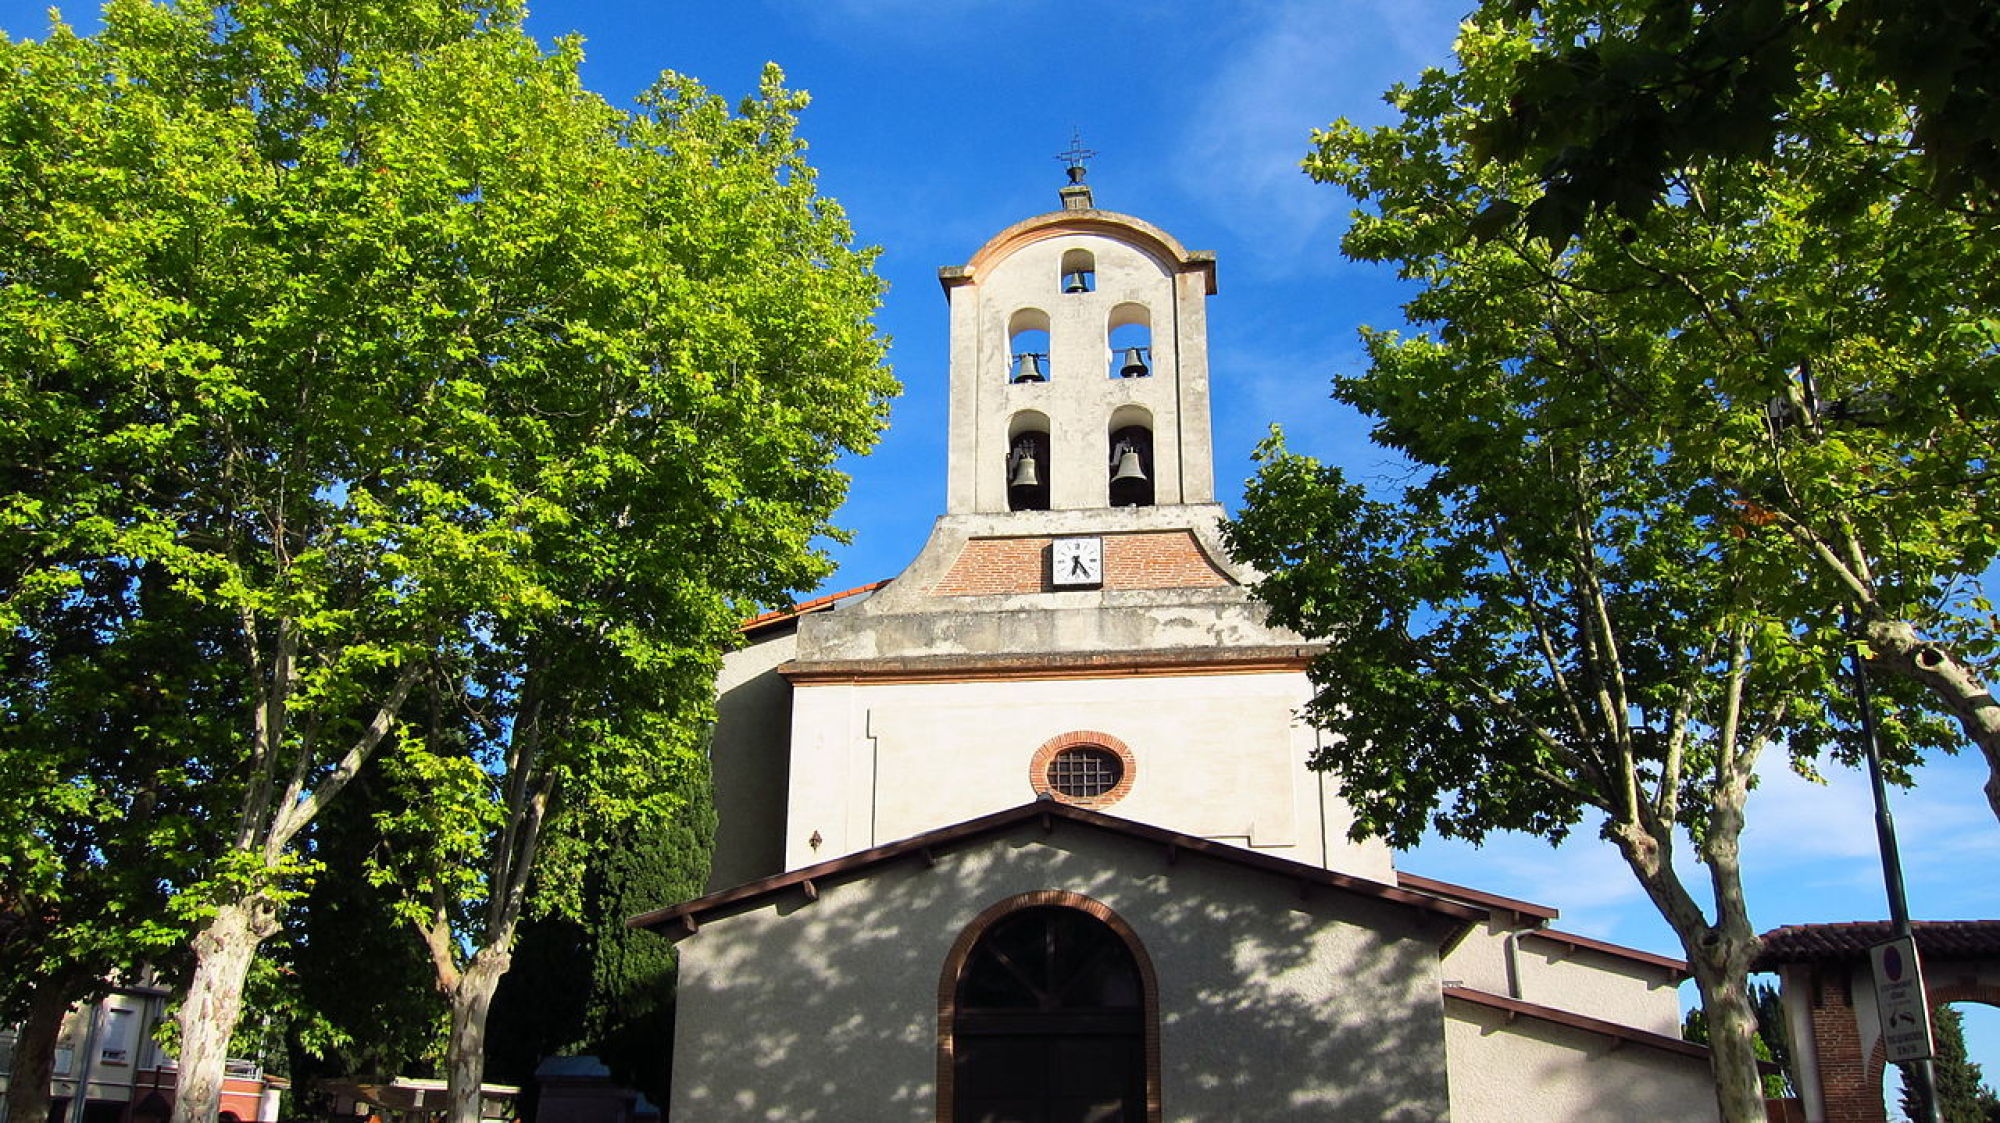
(1027, 832)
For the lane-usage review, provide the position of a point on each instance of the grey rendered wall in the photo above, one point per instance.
(1503, 1072)
(1273, 1007)
(749, 761)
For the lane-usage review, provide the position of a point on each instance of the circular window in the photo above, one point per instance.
(1084, 768)
(1085, 772)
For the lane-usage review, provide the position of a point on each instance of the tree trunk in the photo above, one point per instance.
(1897, 648)
(1721, 973)
(223, 951)
(35, 1052)
(1719, 954)
(465, 1055)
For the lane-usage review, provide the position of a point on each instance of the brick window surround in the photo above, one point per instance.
(1038, 767)
(961, 950)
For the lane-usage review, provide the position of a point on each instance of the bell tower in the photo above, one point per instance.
(1073, 629)
(1079, 365)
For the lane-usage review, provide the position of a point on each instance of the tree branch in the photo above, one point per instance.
(299, 809)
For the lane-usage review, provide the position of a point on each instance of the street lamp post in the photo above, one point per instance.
(1921, 1073)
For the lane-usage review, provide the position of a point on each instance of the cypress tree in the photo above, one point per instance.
(595, 986)
(1963, 1095)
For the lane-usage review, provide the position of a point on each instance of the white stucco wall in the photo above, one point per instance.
(1218, 755)
(1273, 1007)
(1579, 980)
(749, 761)
(1527, 1069)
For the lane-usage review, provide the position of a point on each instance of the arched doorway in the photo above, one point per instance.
(1048, 1018)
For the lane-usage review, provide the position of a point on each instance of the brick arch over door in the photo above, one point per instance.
(1878, 1058)
(961, 951)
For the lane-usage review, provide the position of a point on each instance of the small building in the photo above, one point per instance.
(106, 1053)
(1027, 832)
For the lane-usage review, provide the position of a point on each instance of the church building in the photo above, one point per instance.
(1026, 833)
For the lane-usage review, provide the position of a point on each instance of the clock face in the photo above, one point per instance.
(1076, 561)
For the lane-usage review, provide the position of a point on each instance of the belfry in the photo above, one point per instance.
(1027, 832)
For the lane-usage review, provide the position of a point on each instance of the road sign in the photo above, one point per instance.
(1900, 1000)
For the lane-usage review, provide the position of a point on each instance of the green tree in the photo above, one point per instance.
(1887, 107)
(595, 985)
(1962, 1093)
(102, 694)
(632, 984)
(363, 1001)
(1611, 102)
(1652, 467)
(449, 386)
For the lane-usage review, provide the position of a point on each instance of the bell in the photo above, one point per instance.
(1135, 364)
(1028, 368)
(1075, 282)
(1128, 466)
(1025, 474)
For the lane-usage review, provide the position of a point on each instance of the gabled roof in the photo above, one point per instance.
(1514, 1007)
(1822, 943)
(1676, 968)
(927, 846)
(1492, 902)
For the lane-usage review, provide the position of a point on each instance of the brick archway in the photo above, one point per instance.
(1839, 1057)
(1987, 994)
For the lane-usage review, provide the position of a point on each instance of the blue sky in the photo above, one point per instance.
(937, 122)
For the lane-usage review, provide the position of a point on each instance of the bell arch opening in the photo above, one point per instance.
(1079, 272)
(1130, 334)
(1028, 467)
(1131, 468)
(1028, 346)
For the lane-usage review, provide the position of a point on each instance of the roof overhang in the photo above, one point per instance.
(684, 919)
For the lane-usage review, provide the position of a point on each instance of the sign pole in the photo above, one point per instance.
(1920, 1071)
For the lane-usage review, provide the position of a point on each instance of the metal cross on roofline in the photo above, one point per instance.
(1077, 156)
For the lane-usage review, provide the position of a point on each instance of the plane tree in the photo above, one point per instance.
(108, 696)
(1887, 107)
(1652, 465)
(477, 408)
(1608, 102)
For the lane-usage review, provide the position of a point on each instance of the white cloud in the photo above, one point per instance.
(1292, 66)
(1813, 846)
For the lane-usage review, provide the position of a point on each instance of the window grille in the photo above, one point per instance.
(1085, 772)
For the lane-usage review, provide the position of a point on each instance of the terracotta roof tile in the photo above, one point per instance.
(1815, 943)
(817, 604)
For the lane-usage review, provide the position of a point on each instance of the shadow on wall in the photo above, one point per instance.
(1525, 1068)
(1277, 999)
